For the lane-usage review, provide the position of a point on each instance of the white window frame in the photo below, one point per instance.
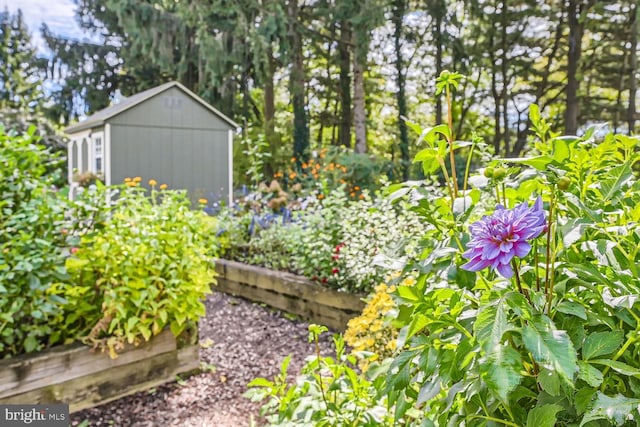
(94, 155)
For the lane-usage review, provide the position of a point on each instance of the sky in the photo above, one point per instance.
(59, 15)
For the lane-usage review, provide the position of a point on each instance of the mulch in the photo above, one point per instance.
(240, 341)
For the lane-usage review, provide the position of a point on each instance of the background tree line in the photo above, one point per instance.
(308, 74)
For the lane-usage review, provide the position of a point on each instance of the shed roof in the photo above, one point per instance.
(100, 117)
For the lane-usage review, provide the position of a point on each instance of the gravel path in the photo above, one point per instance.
(239, 340)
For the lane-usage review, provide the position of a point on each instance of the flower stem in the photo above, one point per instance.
(547, 283)
(452, 158)
(536, 261)
(517, 276)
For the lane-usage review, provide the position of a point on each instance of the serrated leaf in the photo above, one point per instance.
(615, 409)
(590, 374)
(601, 343)
(543, 416)
(550, 347)
(503, 372)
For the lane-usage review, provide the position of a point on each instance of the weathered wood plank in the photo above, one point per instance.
(103, 386)
(287, 283)
(310, 310)
(60, 364)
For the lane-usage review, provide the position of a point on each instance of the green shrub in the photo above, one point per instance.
(33, 233)
(329, 392)
(147, 267)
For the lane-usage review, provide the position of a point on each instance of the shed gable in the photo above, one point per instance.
(171, 108)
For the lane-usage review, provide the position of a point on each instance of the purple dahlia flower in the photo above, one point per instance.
(497, 238)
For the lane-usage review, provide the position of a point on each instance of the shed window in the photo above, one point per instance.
(98, 153)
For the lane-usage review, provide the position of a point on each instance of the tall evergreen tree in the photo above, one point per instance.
(22, 101)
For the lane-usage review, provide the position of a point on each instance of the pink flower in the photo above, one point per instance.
(498, 238)
(73, 251)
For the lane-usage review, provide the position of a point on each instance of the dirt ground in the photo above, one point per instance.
(239, 340)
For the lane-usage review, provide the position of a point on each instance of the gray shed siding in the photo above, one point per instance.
(192, 159)
(170, 109)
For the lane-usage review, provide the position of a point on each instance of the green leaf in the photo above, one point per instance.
(573, 231)
(418, 322)
(550, 347)
(502, 373)
(583, 399)
(611, 187)
(601, 343)
(620, 367)
(573, 308)
(560, 149)
(549, 381)
(616, 409)
(538, 162)
(543, 416)
(590, 374)
(75, 263)
(408, 293)
(30, 343)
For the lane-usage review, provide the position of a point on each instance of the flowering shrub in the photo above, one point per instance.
(87, 269)
(371, 334)
(332, 241)
(526, 311)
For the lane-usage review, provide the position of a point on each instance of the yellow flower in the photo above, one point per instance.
(127, 180)
(153, 182)
(163, 186)
(202, 201)
(137, 179)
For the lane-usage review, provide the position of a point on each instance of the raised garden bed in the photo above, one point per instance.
(288, 292)
(75, 375)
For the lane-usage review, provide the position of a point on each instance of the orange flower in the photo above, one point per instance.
(304, 166)
(352, 194)
(202, 201)
(153, 182)
(320, 196)
(342, 181)
(344, 169)
(163, 186)
(361, 197)
(293, 159)
(356, 188)
(292, 175)
(317, 166)
(137, 179)
(127, 179)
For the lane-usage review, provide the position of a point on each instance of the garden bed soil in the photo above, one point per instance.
(239, 340)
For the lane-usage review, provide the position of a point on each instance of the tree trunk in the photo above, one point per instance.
(633, 67)
(397, 18)
(359, 108)
(576, 30)
(269, 97)
(504, 70)
(345, 83)
(297, 86)
(439, 40)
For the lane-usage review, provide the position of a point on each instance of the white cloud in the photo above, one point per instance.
(59, 15)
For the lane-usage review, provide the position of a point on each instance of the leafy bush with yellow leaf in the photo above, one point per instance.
(145, 266)
(370, 332)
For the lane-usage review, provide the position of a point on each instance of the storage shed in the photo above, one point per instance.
(166, 133)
